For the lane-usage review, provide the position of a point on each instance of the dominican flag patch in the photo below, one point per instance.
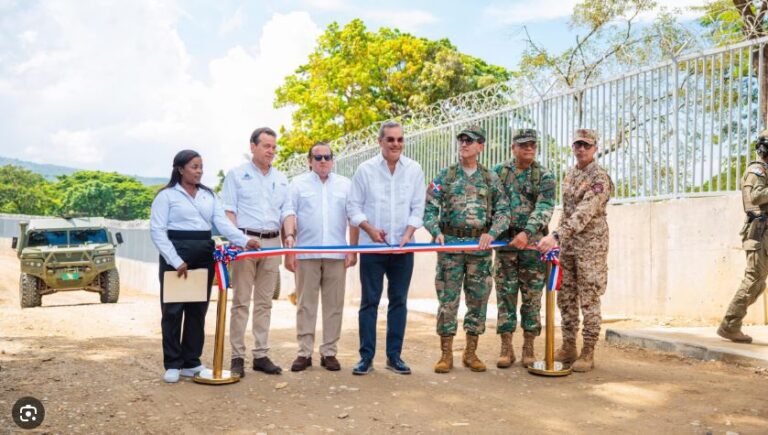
(435, 187)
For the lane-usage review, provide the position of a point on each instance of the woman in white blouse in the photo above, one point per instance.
(183, 213)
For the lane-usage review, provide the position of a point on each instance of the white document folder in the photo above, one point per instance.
(192, 289)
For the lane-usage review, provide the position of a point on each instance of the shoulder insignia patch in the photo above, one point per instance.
(435, 187)
(757, 172)
(597, 187)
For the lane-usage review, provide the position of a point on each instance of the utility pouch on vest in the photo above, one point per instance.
(756, 228)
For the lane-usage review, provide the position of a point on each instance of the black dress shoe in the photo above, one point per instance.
(398, 366)
(363, 367)
(301, 363)
(330, 363)
(237, 367)
(264, 364)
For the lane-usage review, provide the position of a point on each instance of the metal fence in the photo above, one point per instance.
(680, 128)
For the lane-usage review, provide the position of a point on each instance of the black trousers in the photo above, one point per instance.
(183, 324)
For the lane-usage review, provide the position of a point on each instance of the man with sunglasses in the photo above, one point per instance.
(317, 206)
(387, 203)
(531, 191)
(583, 236)
(465, 202)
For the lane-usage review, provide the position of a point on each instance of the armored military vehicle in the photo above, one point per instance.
(59, 254)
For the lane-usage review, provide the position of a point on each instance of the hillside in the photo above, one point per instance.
(51, 171)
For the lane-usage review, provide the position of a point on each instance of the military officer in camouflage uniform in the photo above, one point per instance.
(531, 191)
(583, 236)
(754, 194)
(465, 202)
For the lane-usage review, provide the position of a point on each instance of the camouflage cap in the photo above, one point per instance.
(523, 135)
(475, 132)
(585, 135)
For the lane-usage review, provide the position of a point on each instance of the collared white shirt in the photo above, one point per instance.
(258, 200)
(320, 210)
(174, 209)
(387, 201)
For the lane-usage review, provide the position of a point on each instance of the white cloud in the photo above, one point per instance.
(106, 87)
(405, 20)
(522, 12)
(235, 22)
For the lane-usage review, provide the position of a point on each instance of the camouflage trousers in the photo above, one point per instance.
(474, 273)
(752, 286)
(519, 272)
(585, 277)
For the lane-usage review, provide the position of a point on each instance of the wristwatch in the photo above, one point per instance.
(556, 235)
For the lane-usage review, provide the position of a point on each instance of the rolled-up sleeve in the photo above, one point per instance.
(416, 217)
(225, 226)
(158, 230)
(229, 192)
(291, 202)
(356, 200)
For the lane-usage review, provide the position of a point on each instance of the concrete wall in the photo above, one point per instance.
(676, 258)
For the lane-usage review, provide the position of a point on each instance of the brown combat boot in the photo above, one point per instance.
(446, 359)
(735, 336)
(586, 360)
(470, 359)
(567, 353)
(528, 356)
(507, 354)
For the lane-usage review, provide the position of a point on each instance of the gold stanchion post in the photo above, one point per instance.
(549, 367)
(218, 376)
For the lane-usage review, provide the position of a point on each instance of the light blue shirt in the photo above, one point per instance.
(258, 200)
(174, 209)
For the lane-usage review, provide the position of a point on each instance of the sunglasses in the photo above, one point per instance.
(526, 145)
(466, 140)
(391, 139)
(581, 144)
(319, 157)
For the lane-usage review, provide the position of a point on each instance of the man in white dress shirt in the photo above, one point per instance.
(255, 196)
(317, 205)
(387, 202)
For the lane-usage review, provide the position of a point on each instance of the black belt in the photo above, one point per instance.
(269, 235)
(189, 235)
(463, 232)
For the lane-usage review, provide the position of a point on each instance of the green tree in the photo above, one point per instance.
(24, 192)
(356, 77)
(107, 194)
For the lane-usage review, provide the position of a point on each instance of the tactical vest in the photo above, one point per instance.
(536, 173)
(451, 177)
(750, 209)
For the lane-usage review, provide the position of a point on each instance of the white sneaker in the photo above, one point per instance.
(171, 376)
(190, 373)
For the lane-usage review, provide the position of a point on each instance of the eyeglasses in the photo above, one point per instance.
(582, 144)
(326, 157)
(466, 140)
(526, 145)
(391, 139)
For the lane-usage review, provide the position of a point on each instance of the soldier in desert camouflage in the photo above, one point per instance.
(465, 202)
(583, 237)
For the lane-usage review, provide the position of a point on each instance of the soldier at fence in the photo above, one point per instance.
(583, 236)
(754, 195)
(531, 191)
(465, 202)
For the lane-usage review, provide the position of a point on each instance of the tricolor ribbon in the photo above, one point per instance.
(556, 272)
(225, 255)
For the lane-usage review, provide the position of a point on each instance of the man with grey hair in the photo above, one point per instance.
(386, 202)
(255, 199)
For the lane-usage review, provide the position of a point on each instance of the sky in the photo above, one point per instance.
(123, 85)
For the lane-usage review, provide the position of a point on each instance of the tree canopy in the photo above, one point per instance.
(356, 77)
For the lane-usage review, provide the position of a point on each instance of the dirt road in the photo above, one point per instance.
(97, 368)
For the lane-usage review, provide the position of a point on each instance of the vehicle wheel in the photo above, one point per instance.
(29, 291)
(276, 294)
(110, 286)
